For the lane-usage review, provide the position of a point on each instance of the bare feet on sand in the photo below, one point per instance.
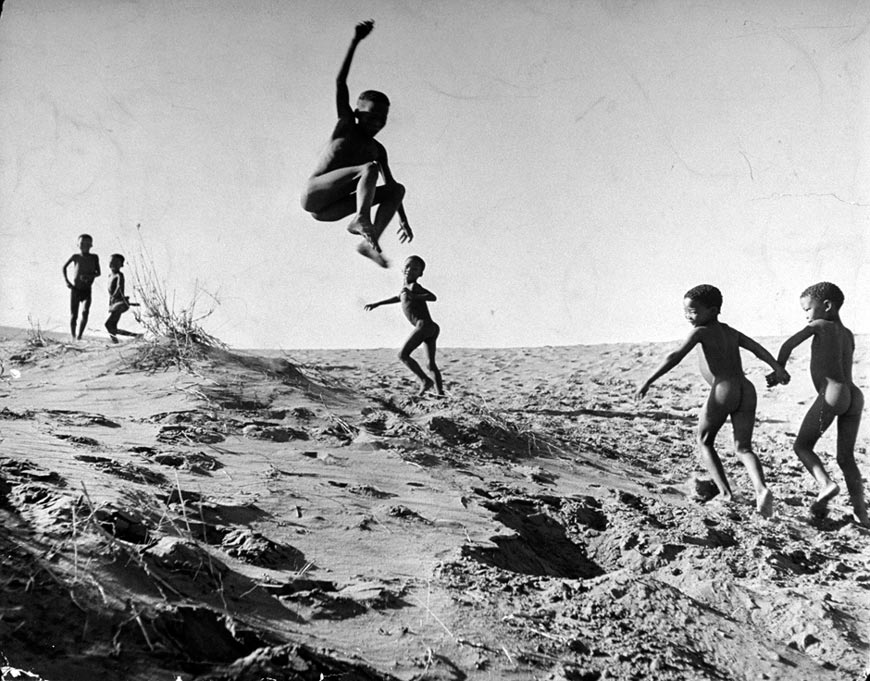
(764, 503)
(427, 386)
(365, 249)
(819, 508)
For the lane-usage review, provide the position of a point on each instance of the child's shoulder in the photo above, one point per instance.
(344, 126)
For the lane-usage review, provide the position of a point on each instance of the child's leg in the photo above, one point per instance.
(389, 199)
(743, 423)
(112, 324)
(73, 311)
(346, 191)
(86, 309)
(847, 433)
(430, 354)
(819, 416)
(331, 196)
(417, 336)
(713, 416)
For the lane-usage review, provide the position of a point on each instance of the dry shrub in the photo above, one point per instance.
(35, 337)
(174, 333)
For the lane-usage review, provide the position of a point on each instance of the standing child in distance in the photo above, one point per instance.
(838, 397)
(86, 268)
(345, 179)
(731, 393)
(119, 303)
(414, 298)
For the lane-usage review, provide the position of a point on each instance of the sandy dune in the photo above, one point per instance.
(305, 516)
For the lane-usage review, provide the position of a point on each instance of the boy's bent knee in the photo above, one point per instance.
(800, 446)
(370, 169)
(397, 190)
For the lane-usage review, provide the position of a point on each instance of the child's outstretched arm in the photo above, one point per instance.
(342, 96)
(779, 374)
(387, 301)
(671, 360)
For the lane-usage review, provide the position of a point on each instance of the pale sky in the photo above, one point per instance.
(572, 168)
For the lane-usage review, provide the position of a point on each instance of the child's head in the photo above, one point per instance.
(702, 304)
(372, 109)
(85, 242)
(414, 266)
(116, 261)
(822, 300)
(823, 291)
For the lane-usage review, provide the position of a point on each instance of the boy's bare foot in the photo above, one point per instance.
(819, 508)
(764, 503)
(114, 339)
(427, 385)
(859, 513)
(365, 249)
(364, 228)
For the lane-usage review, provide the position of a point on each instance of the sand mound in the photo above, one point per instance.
(248, 517)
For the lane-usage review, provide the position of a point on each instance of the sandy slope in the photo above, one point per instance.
(305, 516)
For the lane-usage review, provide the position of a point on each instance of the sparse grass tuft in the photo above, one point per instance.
(174, 333)
(35, 337)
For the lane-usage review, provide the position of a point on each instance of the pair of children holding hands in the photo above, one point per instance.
(731, 394)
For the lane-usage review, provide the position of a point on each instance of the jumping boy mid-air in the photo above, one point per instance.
(345, 179)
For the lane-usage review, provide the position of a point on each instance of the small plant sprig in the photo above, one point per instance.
(174, 333)
(35, 337)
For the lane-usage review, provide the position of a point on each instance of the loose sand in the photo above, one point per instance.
(306, 516)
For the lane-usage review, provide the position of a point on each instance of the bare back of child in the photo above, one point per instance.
(837, 397)
(731, 393)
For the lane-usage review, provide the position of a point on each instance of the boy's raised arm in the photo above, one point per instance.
(671, 360)
(342, 95)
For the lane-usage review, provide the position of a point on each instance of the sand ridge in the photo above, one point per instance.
(292, 515)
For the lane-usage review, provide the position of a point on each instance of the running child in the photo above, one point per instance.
(731, 393)
(414, 298)
(838, 397)
(86, 268)
(345, 179)
(119, 303)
